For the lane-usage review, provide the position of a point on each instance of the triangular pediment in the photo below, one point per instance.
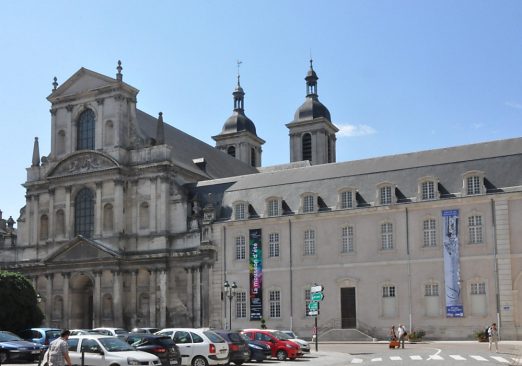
(81, 162)
(81, 249)
(86, 81)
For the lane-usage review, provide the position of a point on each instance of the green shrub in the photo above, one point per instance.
(416, 335)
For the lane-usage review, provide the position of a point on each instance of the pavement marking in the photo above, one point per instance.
(478, 358)
(395, 358)
(435, 357)
(377, 359)
(458, 357)
(357, 360)
(500, 359)
(416, 357)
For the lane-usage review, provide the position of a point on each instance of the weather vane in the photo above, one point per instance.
(238, 65)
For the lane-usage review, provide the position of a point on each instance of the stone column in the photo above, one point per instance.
(96, 299)
(164, 204)
(49, 299)
(162, 298)
(134, 297)
(98, 210)
(135, 204)
(205, 319)
(116, 299)
(118, 206)
(51, 213)
(190, 295)
(66, 301)
(70, 143)
(53, 131)
(153, 204)
(36, 218)
(197, 297)
(152, 298)
(99, 130)
(68, 218)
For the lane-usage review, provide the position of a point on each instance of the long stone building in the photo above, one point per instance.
(131, 222)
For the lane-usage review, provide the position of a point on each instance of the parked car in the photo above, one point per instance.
(305, 346)
(145, 330)
(159, 345)
(259, 351)
(239, 351)
(102, 350)
(115, 332)
(198, 347)
(14, 348)
(82, 331)
(282, 347)
(42, 336)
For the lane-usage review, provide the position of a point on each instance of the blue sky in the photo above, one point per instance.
(397, 76)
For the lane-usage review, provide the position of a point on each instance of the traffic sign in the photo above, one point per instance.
(313, 305)
(316, 288)
(317, 296)
(313, 312)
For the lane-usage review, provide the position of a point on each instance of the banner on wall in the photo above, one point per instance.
(450, 241)
(256, 274)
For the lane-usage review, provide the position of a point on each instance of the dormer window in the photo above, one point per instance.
(240, 210)
(346, 199)
(273, 207)
(385, 194)
(308, 203)
(473, 183)
(428, 189)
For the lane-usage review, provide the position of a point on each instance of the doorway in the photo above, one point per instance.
(348, 309)
(81, 310)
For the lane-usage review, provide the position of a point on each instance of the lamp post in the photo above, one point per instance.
(230, 292)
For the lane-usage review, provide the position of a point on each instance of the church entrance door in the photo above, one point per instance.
(81, 310)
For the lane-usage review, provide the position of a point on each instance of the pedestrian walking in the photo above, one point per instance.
(401, 330)
(493, 336)
(58, 353)
(393, 333)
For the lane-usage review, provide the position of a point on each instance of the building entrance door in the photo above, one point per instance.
(348, 311)
(81, 311)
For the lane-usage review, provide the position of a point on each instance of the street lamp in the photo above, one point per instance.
(230, 292)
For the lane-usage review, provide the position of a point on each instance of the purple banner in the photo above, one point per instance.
(256, 274)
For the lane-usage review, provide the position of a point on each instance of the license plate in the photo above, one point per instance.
(174, 362)
(223, 351)
(35, 352)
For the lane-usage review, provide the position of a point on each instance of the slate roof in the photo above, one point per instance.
(186, 148)
(501, 161)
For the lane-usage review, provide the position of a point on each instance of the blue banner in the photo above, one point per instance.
(450, 241)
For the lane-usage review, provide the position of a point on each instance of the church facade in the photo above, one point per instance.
(131, 222)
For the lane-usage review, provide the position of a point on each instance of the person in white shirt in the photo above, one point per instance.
(493, 336)
(401, 332)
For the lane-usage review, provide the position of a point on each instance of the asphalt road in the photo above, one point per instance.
(429, 353)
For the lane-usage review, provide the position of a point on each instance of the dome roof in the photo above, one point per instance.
(238, 122)
(310, 109)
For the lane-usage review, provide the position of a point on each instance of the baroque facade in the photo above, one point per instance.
(129, 222)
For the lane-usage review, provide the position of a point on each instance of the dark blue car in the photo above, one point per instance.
(14, 348)
(258, 350)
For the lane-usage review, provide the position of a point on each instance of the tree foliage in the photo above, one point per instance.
(18, 303)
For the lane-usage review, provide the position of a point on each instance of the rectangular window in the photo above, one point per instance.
(386, 195)
(431, 289)
(309, 242)
(346, 199)
(430, 232)
(273, 208)
(388, 291)
(473, 184)
(241, 305)
(475, 229)
(275, 303)
(428, 190)
(387, 236)
(478, 288)
(308, 298)
(273, 245)
(239, 211)
(347, 239)
(308, 203)
(240, 247)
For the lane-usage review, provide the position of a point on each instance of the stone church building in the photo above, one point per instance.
(131, 222)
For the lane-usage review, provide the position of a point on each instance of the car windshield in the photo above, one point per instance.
(120, 331)
(55, 333)
(280, 335)
(8, 336)
(214, 337)
(115, 344)
(245, 337)
(166, 342)
(235, 337)
(290, 334)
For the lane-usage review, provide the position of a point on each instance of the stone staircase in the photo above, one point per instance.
(347, 335)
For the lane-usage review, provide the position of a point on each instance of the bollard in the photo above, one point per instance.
(83, 358)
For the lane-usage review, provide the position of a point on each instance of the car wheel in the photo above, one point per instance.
(238, 363)
(199, 361)
(3, 357)
(281, 355)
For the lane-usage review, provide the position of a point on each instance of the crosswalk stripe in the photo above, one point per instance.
(435, 357)
(416, 357)
(478, 358)
(500, 359)
(377, 359)
(357, 360)
(395, 358)
(458, 357)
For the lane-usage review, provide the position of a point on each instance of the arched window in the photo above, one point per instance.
(253, 157)
(307, 146)
(44, 227)
(108, 217)
(84, 213)
(231, 151)
(85, 132)
(60, 224)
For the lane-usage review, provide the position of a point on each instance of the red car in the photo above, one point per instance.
(278, 341)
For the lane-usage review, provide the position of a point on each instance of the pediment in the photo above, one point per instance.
(81, 249)
(84, 81)
(83, 162)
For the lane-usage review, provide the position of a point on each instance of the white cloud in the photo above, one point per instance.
(514, 105)
(478, 125)
(355, 130)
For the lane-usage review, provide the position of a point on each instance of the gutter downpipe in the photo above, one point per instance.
(409, 270)
(291, 277)
(495, 270)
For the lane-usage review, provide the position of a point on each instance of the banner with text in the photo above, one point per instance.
(450, 241)
(256, 274)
